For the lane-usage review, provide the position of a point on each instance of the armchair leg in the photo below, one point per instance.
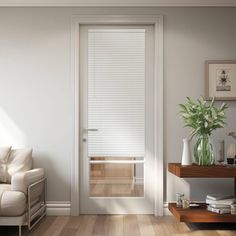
(19, 230)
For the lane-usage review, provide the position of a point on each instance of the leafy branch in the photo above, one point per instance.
(202, 117)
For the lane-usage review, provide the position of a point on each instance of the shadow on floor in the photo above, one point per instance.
(12, 230)
(211, 226)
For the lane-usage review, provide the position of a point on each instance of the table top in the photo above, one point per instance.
(196, 171)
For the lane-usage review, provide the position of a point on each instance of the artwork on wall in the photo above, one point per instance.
(221, 80)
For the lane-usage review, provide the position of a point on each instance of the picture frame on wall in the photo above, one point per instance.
(220, 80)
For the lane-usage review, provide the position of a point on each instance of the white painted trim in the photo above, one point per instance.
(75, 78)
(158, 106)
(166, 210)
(58, 208)
(105, 3)
(157, 21)
(118, 161)
(64, 209)
(138, 181)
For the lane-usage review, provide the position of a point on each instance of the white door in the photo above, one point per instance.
(116, 119)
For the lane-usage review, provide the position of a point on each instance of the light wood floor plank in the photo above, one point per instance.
(121, 225)
(74, 222)
(72, 226)
(168, 225)
(158, 225)
(226, 232)
(57, 226)
(42, 226)
(116, 225)
(145, 225)
(131, 227)
(68, 232)
(86, 225)
(101, 226)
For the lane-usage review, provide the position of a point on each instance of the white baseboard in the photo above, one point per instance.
(166, 211)
(58, 208)
(63, 208)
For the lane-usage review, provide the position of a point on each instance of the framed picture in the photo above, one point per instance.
(221, 80)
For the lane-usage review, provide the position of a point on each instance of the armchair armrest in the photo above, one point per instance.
(21, 181)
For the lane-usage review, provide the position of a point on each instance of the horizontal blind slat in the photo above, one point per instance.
(116, 92)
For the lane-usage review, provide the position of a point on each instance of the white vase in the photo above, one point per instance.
(186, 156)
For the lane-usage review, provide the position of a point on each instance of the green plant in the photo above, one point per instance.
(203, 117)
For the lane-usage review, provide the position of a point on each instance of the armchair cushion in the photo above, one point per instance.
(4, 154)
(20, 160)
(21, 181)
(12, 203)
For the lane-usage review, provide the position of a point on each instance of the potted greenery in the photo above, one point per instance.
(203, 117)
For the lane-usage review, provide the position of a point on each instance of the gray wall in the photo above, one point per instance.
(36, 92)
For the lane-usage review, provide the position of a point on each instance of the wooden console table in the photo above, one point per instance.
(195, 171)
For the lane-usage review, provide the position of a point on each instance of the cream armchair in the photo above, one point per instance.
(22, 189)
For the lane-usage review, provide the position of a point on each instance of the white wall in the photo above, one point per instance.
(36, 92)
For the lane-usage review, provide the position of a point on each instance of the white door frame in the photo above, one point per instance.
(157, 21)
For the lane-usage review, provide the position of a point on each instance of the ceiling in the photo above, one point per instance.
(118, 3)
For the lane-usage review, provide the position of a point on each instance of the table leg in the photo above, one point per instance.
(235, 187)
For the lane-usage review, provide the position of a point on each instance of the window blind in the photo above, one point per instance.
(116, 92)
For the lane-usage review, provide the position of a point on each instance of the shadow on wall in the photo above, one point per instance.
(52, 174)
(199, 188)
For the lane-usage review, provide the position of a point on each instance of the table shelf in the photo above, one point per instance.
(200, 215)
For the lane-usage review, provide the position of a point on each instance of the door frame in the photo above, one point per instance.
(157, 21)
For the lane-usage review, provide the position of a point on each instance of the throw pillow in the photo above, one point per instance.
(4, 154)
(20, 160)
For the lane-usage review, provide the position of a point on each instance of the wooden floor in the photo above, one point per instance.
(116, 190)
(121, 225)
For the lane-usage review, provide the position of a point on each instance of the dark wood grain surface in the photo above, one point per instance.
(195, 171)
(199, 215)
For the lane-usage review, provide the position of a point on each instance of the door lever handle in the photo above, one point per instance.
(94, 130)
